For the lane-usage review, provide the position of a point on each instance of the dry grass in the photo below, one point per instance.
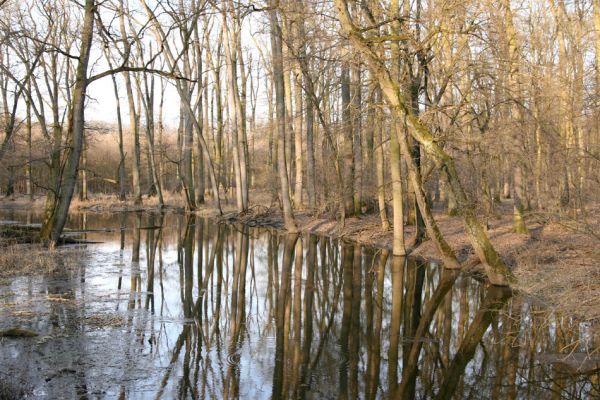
(13, 390)
(105, 320)
(561, 268)
(31, 259)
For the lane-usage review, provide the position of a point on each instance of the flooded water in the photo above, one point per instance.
(174, 306)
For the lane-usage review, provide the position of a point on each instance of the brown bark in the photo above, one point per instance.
(53, 226)
(497, 272)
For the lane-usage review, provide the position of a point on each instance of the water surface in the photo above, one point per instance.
(175, 306)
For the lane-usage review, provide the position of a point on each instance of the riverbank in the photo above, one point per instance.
(557, 264)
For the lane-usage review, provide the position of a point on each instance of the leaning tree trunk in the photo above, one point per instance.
(53, 226)
(496, 270)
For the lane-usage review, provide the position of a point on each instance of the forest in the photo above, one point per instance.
(464, 135)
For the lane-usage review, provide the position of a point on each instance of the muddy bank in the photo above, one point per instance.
(557, 264)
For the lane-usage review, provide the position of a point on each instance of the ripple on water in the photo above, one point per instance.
(233, 357)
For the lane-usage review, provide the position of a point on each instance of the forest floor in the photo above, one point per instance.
(557, 265)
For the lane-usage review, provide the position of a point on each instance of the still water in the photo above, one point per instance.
(174, 306)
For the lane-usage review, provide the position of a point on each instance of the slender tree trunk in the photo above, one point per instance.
(134, 126)
(347, 129)
(380, 172)
(298, 134)
(121, 168)
(310, 155)
(150, 129)
(278, 80)
(28, 168)
(235, 117)
(83, 186)
(496, 270)
(516, 113)
(357, 159)
(399, 248)
(161, 128)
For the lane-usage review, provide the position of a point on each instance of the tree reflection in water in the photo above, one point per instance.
(221, 311)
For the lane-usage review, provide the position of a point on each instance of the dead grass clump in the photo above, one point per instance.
(13, 234)
(19, 259)
(105, 320)
(11, 390)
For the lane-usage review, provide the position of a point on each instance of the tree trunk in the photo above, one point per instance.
(497, 272)
(356, 110)
(83, 186)
(52, 227)
(380, 172)
(28, 175)
(278, 80)
(347, 196)
(121, 168)
(134, 126)
(310, 154)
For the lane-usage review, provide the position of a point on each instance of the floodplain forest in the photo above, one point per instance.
(338, 108)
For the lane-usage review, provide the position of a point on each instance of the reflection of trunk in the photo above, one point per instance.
(355, 331)
(121, 251)
(188, 266)
(151, 244)
(280, 313)
(510, 357)
(415, 276)
(135, 258)
(135, 251)
(347, 267)
(374, 343)
(410, 367)
(396, 316)
(309, 289)
(493, 302)
(297, 319)
(237, 316)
